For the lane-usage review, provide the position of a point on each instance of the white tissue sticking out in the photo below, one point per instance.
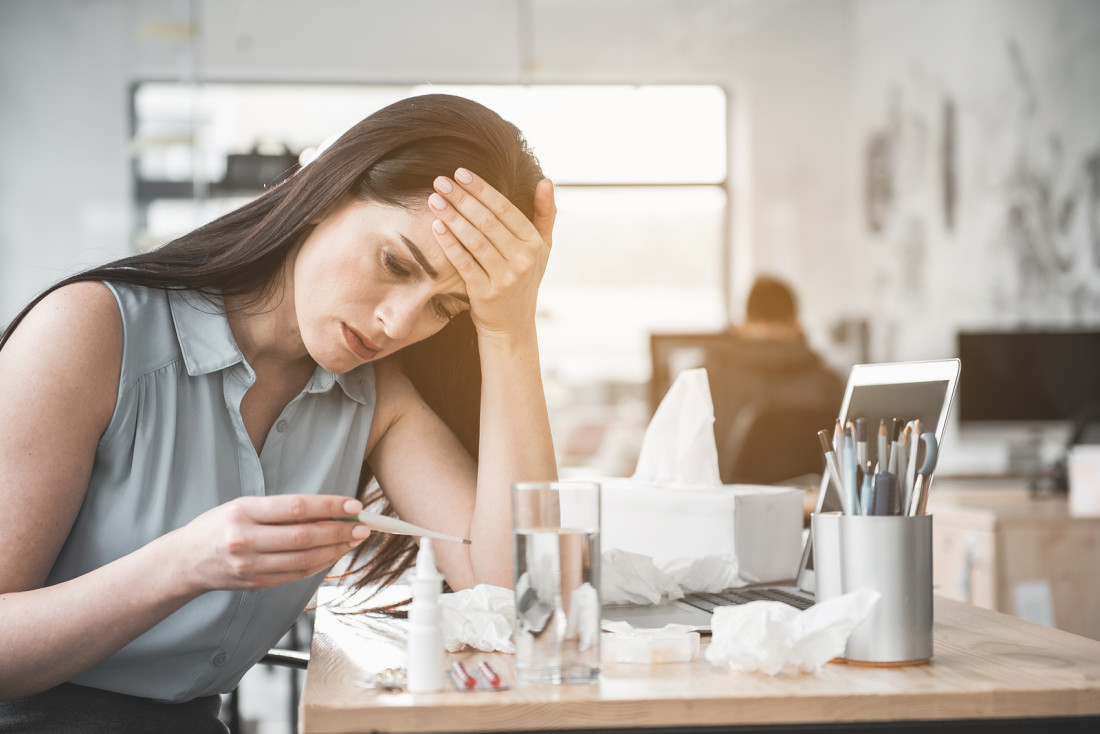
(678, 447)
(480, 618)
(631, 578)
(773, 637)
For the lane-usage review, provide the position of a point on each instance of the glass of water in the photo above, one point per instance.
(556, 552)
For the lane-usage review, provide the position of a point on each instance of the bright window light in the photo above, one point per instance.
(615, 134)
(640, 175)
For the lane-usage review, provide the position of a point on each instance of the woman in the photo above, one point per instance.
(183, 425)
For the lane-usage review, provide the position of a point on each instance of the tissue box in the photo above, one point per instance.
(760, 525)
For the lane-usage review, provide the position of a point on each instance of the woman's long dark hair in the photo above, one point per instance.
(391, 157)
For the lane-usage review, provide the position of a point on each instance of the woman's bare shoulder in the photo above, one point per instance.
(70, 343)
(59, 375)
(83, 311)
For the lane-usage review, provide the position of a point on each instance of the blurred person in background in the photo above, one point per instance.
(768, 364)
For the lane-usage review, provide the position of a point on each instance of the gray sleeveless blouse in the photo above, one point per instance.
(176, 446)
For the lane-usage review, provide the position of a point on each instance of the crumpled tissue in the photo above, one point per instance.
(633, 578)
(480, 618)
(708, 574)
(773, 637)
(673, 643)
(678, 447)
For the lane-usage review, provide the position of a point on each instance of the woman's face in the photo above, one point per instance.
(369, 280)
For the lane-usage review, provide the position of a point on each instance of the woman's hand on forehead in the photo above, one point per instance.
(500, 254)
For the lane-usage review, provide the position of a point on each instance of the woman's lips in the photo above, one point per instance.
(363, 347)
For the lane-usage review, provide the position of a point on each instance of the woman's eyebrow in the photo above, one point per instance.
(432, 272)
(419, 257)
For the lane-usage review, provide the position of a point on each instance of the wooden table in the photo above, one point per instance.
(1016, 675)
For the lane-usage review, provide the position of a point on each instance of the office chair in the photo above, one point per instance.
(291, 658)
(770, 443)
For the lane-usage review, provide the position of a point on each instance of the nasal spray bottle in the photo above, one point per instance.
(424, 668)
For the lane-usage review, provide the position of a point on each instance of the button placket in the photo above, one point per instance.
(237, 381)
(272, 455)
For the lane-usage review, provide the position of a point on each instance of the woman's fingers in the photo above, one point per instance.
(546, 210)
(473, 274)
(478, 229)
(300, 536)
(499, 253)
(472, 215)
(292, 508)
(258, 542)
(471, 208)
(299, 563)
(483, 206)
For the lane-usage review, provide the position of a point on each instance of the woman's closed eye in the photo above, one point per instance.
(394, 265)
(442, 311)
(398, 269)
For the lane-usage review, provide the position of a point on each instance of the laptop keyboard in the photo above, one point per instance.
(707, 602)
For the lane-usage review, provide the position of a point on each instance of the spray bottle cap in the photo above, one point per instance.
(427, 585)
(425, 560)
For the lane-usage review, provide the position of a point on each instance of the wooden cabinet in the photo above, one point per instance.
(998, 548)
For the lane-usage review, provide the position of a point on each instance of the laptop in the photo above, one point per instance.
(904, 390)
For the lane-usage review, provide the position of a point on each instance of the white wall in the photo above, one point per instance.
(64, 188)
(1023, 246)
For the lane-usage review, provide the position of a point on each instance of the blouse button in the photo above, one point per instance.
(280, 426)
(220, 659)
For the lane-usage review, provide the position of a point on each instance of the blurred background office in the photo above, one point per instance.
(925, 174)
(913, 169)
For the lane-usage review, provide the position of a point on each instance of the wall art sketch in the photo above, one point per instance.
(982, 199)
(1047, 189)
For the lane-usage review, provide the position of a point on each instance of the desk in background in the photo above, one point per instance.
(986, 666)
(993, 541)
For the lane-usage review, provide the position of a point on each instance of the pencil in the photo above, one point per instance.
(914, 447)
(867, 495)
(903, 464)
(861, 441)
(850, 467)
(883, 445)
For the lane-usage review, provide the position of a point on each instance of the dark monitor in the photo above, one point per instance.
(1027, 376)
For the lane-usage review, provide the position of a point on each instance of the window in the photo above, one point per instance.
(640, 172)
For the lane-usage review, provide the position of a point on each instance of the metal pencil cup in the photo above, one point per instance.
(891, 554)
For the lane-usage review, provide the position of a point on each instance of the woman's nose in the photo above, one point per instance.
(398, 318)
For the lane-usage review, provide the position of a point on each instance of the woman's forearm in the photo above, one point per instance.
(516, 445)
(53, 633)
